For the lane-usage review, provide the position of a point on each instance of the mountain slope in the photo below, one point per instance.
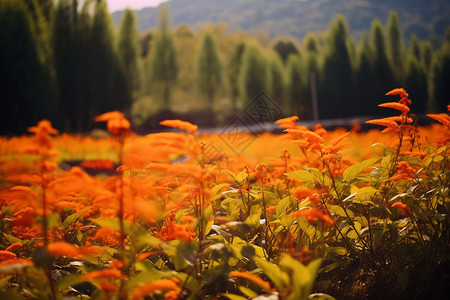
(296, 17)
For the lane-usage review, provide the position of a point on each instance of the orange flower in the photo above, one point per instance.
(287, 122)
(398, 91)
(109, 116)
(404, 171)
(63, 249)
(42, 133)
(15, 261)
(5, 255)
(150, 288)
(48, 165)
(401, 119)
(383, 122)
(115, 122)
(105, 273)
(400, 205)
(441, 118)
(403, 208)
(104, 164)
(44, 126)
(256, 279)
(309, 135)
(14, 246)
(312, 214)
(108, 287)
(189, 127)
(144, 255)
(395, 105)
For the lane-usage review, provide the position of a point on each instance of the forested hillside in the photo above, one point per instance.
(296, 18)
(67, 62)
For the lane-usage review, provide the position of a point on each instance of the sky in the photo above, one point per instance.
(114, 5)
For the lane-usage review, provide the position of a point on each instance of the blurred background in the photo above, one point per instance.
(205, 60)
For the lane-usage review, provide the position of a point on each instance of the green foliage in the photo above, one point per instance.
(295, 84)
(396, 48)
(128, 51)
(26, 81)
(365, 77)
(414, 46)
(337, 79)
(276, 81)
(417, 83)
(383, 71)
(253, 73)
(439, 78)
(163, 64)
(234, 70)
(209, 70)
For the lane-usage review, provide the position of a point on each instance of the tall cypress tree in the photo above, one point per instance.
(439, 89)
(276, 81)
(47, 7)
(253, 73)
(414, 46)
(365, 79)
(295, 85)
(108, 88)
(234, 70)
(128, 50)
(336, 85)
(312, 71)
(416, 84)
(384, 75)
(395, 47)
(70, 57)
(22, 72)
(426, 56)
(163, 59)
(209, 70)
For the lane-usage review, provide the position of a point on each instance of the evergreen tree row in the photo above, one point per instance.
(67, 63)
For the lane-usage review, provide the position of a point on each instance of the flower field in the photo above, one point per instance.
(307, 214)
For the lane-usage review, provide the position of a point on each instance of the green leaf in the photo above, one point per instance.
(188, 252)
(189, 282)
(241, 177)
(70, 280)
(12, 239)
(52, 220)
(74, 217)
(301, 277)
(366, 194)
(216, 189)
(247, 292)
(335, 251)
(312, 267)
(278, 277)
(301, 274)
(147, 276)
(353, 171)
(148, 240)
(254, 219)
(283, 206)
(4, 281)
(338, 210)
(302, 175)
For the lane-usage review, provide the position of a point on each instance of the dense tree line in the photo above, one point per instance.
(67, 63)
